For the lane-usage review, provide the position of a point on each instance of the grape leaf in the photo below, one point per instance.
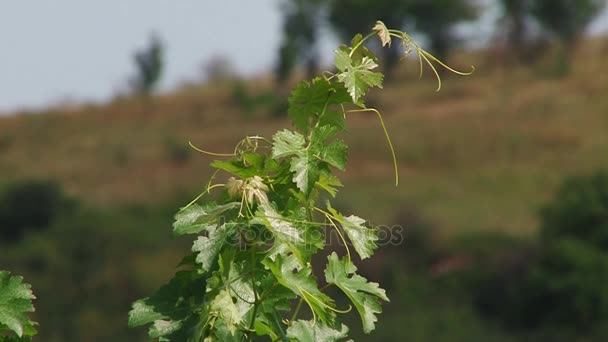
(307, 331)
(363, 294)
(223, 307)
(174, 310)
(363, 238)
(231, 296)
(310, 100)
(236, 167)
(358, 77)
(209, 246)
(329, 183)
(300, 280)
(277, 224)
(342, 59)
(15, 300)
(334, 154)
(305, 172)
(195, 218)
(383, 33)
(287, 143)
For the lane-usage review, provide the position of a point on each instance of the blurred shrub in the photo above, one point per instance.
(178, 152)
(219, 69)
(566, 287)
(561, 294)
(579, 211)
(30, 205)
(149, 63)
(250, 103)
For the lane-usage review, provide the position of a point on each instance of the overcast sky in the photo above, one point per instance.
(55, 50)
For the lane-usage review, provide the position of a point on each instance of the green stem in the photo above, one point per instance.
(255, 293)
(361, 43)
(297, 311)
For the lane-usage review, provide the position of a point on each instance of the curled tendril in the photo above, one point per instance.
(424, 56)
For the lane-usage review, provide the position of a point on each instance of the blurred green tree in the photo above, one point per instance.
(579, 211)
(149, 63)
(300, 31)
(514, 20)
(436, 19)
(562, 292)
(567, 20)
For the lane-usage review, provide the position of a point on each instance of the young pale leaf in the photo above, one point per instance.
(278, 225)
(342, 59)
(329, 183)
(287, 143)
(359, 78)
(209, 246)
(195, 218)
(363, 238)
(307, 331)
(173, 310)
(15, 300)
(288, 238)
(224, 308)
(382, 32)
(363, 294)
(300, 280)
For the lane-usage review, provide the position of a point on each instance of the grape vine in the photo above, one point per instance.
(15, 302)
(249, 272)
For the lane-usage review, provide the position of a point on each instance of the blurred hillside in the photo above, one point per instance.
(482, 154)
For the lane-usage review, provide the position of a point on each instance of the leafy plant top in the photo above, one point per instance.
(250, 270)
(15, 302)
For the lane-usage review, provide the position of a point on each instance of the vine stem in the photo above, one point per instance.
(361, 43)
(297, 311)
(388, 138)
(256, 302)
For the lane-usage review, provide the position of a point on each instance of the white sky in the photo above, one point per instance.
(53, 50)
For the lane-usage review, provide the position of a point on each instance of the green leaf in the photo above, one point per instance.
(223, 307)
(236, 167)
(209, 246)
(342, 58)
(335, 154)
(278, 225)
(196, 218)
(287, 143)
(305, 170)
(174, 310)
(363, 294)
(15, 300)
(311, 100)
(329, 183)
(363, 238)
(358, 78)
(300, 280)
(334, 118)
(307, 331)
(231, 296)
(383, 33)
